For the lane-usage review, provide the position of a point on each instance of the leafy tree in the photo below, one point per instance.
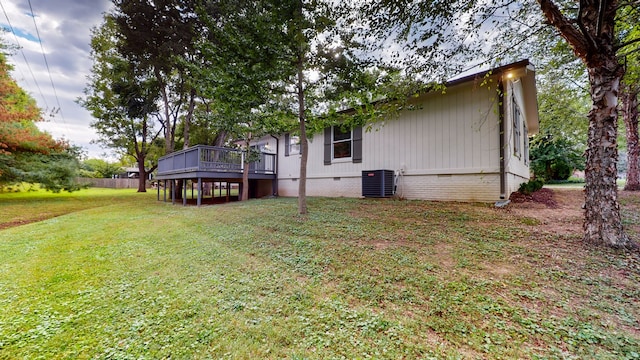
(99, 168)
(122, 100)
(26, 153)
(303, 62)
(157, 38)
(453, 31)
(555, 158)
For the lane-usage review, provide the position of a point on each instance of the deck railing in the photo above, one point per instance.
(214, 159)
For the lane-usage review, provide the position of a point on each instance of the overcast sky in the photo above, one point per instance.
(65, 31)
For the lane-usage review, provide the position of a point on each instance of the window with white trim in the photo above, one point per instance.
(341, 143)
(294, 145)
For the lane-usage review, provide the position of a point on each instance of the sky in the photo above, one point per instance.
(64, 28)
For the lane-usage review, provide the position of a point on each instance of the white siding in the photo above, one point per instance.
(448, 149)
(516, 168)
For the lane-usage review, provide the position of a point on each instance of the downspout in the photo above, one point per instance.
(274, 186)
(501, 119)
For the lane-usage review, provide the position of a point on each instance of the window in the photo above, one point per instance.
(517, 134)
(291, 144)
(294, 145)
(262, 147)
(341, 143)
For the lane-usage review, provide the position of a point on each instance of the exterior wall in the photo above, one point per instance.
(516, 167)
(448, 149)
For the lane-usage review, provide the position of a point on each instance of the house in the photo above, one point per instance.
(450, 148)
(466, 143)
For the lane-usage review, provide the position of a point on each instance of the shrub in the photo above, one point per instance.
(531, 186)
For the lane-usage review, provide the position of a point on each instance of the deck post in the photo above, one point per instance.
(158, 186)
(165, 191)
(173, 191)
(199, 202)
(184, 192)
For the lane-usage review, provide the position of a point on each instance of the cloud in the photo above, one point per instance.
(65, 30)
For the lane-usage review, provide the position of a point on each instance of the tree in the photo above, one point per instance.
(554, 158)
(273, 61)
(629, 112)
(630, 91)
(589, 30)
(157, 38)
(99, 168)
(26, 153)
(122, 100)
(591, 34)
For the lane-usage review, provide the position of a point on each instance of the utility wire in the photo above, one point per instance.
(55, 93)
(24, 56)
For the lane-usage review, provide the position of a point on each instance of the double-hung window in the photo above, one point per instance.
(291, 145)
(341, 142)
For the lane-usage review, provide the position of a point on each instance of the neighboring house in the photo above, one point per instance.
(450, 148)
(466, 143)
(131, 173)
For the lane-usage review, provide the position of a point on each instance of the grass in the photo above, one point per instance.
(120, 275)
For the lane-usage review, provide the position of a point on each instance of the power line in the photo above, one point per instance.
(23, 55)
(55, 93)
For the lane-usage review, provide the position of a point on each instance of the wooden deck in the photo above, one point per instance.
(203, 163)
(210, 162)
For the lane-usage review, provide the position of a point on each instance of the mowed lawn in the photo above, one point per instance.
(118, 275)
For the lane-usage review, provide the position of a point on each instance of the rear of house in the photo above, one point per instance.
(467, 143)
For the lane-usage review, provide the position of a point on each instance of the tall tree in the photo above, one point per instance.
(591, 34)
(629, 113)
(158, 37)
(630, 30)
(590, 30)
(280, 59)
(122, 100)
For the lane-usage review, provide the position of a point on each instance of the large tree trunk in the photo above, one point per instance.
(304, 143)
(629, 112)
(142, 180)
(592, 37)
(602, 224)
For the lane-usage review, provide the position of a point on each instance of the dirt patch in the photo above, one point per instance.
(557, 211)
(24, 222)
(542, 196)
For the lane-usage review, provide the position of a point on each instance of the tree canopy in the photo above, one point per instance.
(28, 154)
(454, 32)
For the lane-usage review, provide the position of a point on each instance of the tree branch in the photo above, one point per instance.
(627, 43)
(576, 39)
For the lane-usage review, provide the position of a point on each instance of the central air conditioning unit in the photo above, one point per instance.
(377, 183)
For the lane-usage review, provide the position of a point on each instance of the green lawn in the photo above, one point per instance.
(119, 275)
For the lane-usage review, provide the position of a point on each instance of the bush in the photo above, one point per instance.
(531, 186)
(554, 158)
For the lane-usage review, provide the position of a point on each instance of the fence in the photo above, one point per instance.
(112, 183)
